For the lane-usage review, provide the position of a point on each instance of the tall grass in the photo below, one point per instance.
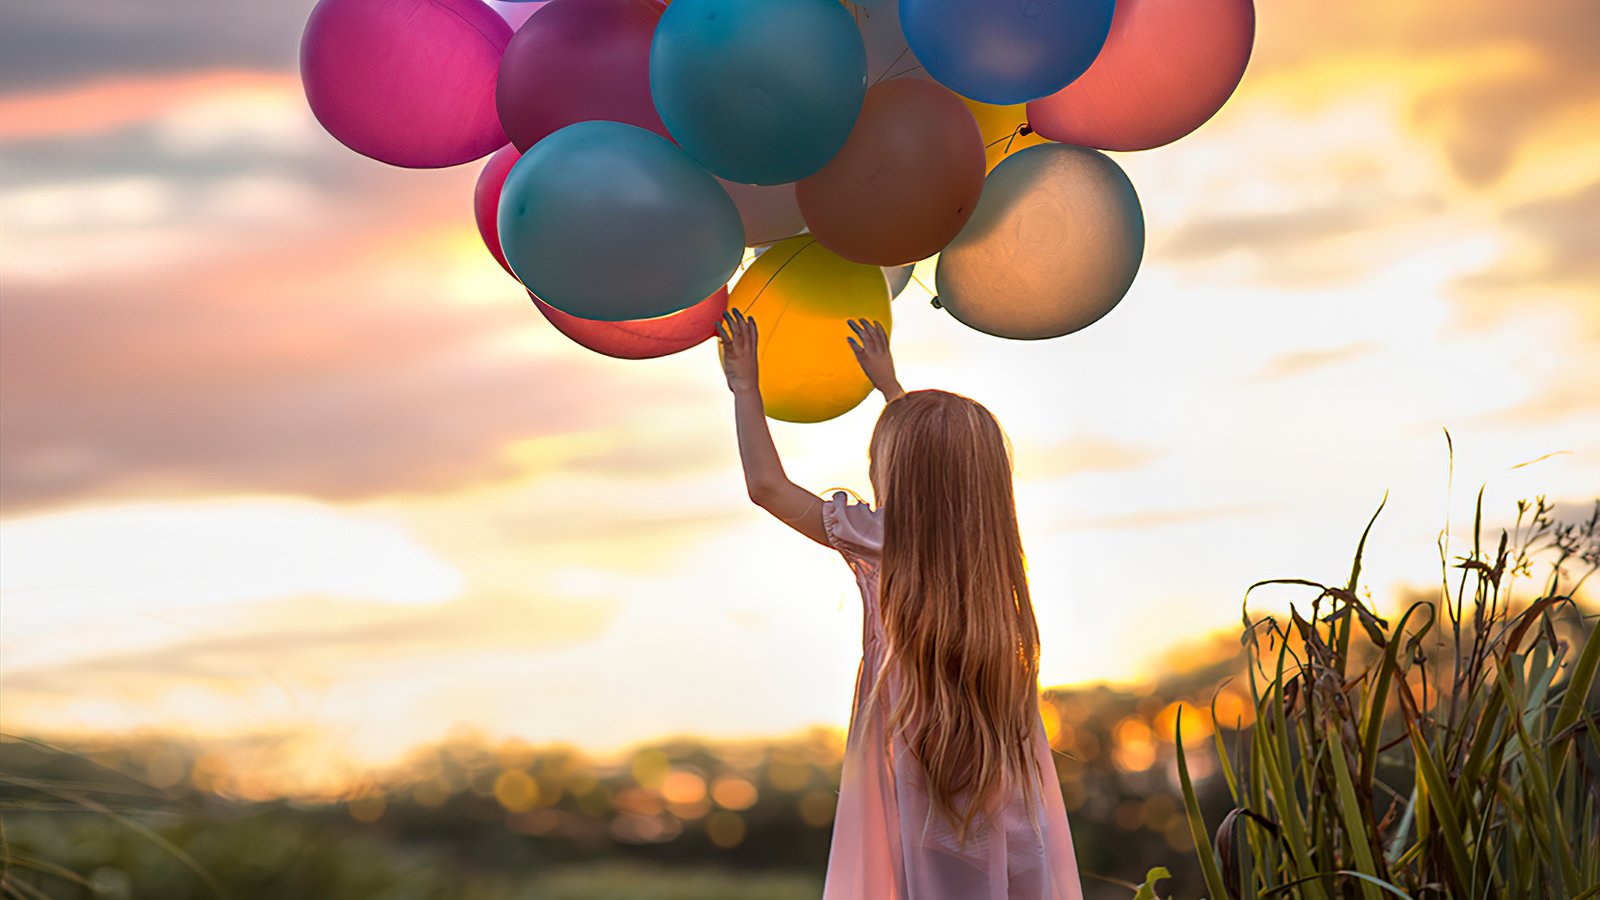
(1448, 753)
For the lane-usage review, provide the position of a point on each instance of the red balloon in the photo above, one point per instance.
(1166, 68)
(642, 338)
(406, 82)
(905, 181)
(576, 61)
(486, 200)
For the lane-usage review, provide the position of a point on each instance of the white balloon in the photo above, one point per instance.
(1054, 244)
(770, 212)
(513, 12)
(899, 277)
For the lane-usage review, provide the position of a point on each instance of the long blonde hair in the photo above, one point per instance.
(954, 600)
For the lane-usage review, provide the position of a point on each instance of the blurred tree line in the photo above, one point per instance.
(471, 818)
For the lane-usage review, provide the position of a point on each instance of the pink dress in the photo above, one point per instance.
(888, 843)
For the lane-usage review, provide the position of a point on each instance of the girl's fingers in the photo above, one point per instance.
(854, 347)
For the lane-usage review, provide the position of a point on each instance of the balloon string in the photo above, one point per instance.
(1017, 132)
(905, 71)
(761, 350)
(923, 286)
(894, 62)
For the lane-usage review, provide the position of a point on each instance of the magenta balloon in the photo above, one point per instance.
(577, 61)
(1167, 67)
(642, 338)
(486, 200)
(407, 82)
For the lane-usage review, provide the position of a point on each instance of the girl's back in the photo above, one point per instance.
(889, 840)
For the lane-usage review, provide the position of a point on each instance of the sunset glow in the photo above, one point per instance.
(292, 468)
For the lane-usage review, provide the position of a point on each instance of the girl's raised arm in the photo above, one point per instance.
(871, 347)
(764, 477)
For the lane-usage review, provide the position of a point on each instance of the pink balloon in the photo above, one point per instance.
(642, 338)
(406, 82)
(576, 61)
(1166, 68)
(769, 212)
(486, 200)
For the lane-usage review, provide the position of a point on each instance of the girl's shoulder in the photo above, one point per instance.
(853, 528)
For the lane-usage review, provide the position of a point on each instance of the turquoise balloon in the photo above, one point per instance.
(758, 91)
(611, 222)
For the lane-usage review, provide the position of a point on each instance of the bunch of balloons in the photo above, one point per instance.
(636, 148)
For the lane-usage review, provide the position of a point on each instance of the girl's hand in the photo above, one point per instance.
(737, 338)
(871, 347)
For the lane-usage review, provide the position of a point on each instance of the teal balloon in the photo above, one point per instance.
(611, 222)
(758, 91)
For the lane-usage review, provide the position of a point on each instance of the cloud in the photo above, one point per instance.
(107, 105)
(1081, 453)
(317, 640)
(48, 44)
(1262, 232)
(214, 297)
(298, 371)
(1563, 229)
(1493, 74)
(1289, 365)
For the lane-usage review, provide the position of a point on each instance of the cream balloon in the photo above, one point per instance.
(1054, 244)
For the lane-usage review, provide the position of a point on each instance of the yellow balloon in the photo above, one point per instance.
(1001, 127)
(801, 296)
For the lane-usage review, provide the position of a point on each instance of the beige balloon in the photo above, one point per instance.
(1053, 246)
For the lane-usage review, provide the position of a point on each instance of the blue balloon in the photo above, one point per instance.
(611, 222)
(758, 91)
(1006, 51)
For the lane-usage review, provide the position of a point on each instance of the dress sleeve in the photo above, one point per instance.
(854, 529)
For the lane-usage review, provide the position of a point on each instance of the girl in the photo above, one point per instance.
(949, 789)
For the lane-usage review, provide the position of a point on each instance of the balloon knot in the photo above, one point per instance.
(936, 303)
(1025, 130)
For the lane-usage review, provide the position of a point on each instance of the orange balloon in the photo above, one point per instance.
(1005, 130)
(802, 297)
(1166, 68)
(905, 181)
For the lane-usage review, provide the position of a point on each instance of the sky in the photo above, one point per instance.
(286, 459)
